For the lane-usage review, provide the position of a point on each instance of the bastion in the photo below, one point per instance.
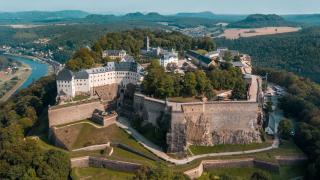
(203, 123)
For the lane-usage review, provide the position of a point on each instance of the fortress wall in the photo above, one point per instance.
(204, 123)
(71, 113)
(273, 167)
(55, 139)
(89, 161)
(150, 109)
(206, 165)
(195, 172)
(114, 165)
(291, 161)
(80, 162)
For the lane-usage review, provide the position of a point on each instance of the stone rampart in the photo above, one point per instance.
(195, 172)
(149, 108)
(80, 162)
(291, 160)
(89, 161)
(203, 123)
(63, 114)
(206, 165)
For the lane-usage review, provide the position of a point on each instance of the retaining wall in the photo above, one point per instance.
(67, 114)
(149, 108)
(245, 162)
(89, 161)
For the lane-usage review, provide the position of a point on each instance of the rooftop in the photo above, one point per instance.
(200, 57)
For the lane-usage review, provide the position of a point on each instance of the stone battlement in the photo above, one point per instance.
(203, 123)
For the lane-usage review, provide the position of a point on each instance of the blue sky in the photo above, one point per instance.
(167, 6)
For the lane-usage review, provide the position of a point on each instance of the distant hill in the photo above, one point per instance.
(305, 19)
(30, 16)
(205, 14)
(261, 20)
(149, 18)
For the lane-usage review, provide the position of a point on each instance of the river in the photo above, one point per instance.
(39, 69)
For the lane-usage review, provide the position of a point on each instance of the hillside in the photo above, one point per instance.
(304, 19)
(295, 52)
(261, 20)
(31, 16)
(205, 14)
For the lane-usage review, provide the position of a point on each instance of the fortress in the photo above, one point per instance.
(205, 123)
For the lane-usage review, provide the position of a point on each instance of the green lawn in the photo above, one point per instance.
(202, 51)
(196, 150)
(80, 97)
(286, 172)
(123, 155)
(99, 174)
(90, 135)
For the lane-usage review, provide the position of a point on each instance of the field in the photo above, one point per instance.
(239, 32)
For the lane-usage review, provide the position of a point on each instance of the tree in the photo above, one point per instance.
(201, 81)
(239, 91)
(189, 84)
(285, 128)
(227, 56)
(258, 176)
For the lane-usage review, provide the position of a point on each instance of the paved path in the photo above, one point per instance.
(123, 123)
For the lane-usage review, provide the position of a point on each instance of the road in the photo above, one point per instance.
(124, 124)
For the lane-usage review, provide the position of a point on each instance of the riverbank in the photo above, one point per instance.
(50, 68)
(37, 69)
(23, 74)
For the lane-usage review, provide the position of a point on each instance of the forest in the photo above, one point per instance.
(297, 52)
(301, 103)
(21, 157)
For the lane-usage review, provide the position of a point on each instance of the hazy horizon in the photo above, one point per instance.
(166, 6)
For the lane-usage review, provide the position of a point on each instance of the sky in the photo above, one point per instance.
(167, 6)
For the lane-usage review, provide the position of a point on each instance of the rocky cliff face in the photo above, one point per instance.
(204, 124)
(235, 137)
(199, 132)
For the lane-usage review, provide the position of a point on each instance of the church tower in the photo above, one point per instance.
(147, 43)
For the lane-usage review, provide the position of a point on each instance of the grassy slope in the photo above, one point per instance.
(227, 148)
(286, 172)
(99, 174)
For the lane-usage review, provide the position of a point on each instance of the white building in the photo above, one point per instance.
(114, 54)
(167, 58)
(70, 84)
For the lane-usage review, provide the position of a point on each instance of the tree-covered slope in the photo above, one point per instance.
(297, 52)
(261, 20)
